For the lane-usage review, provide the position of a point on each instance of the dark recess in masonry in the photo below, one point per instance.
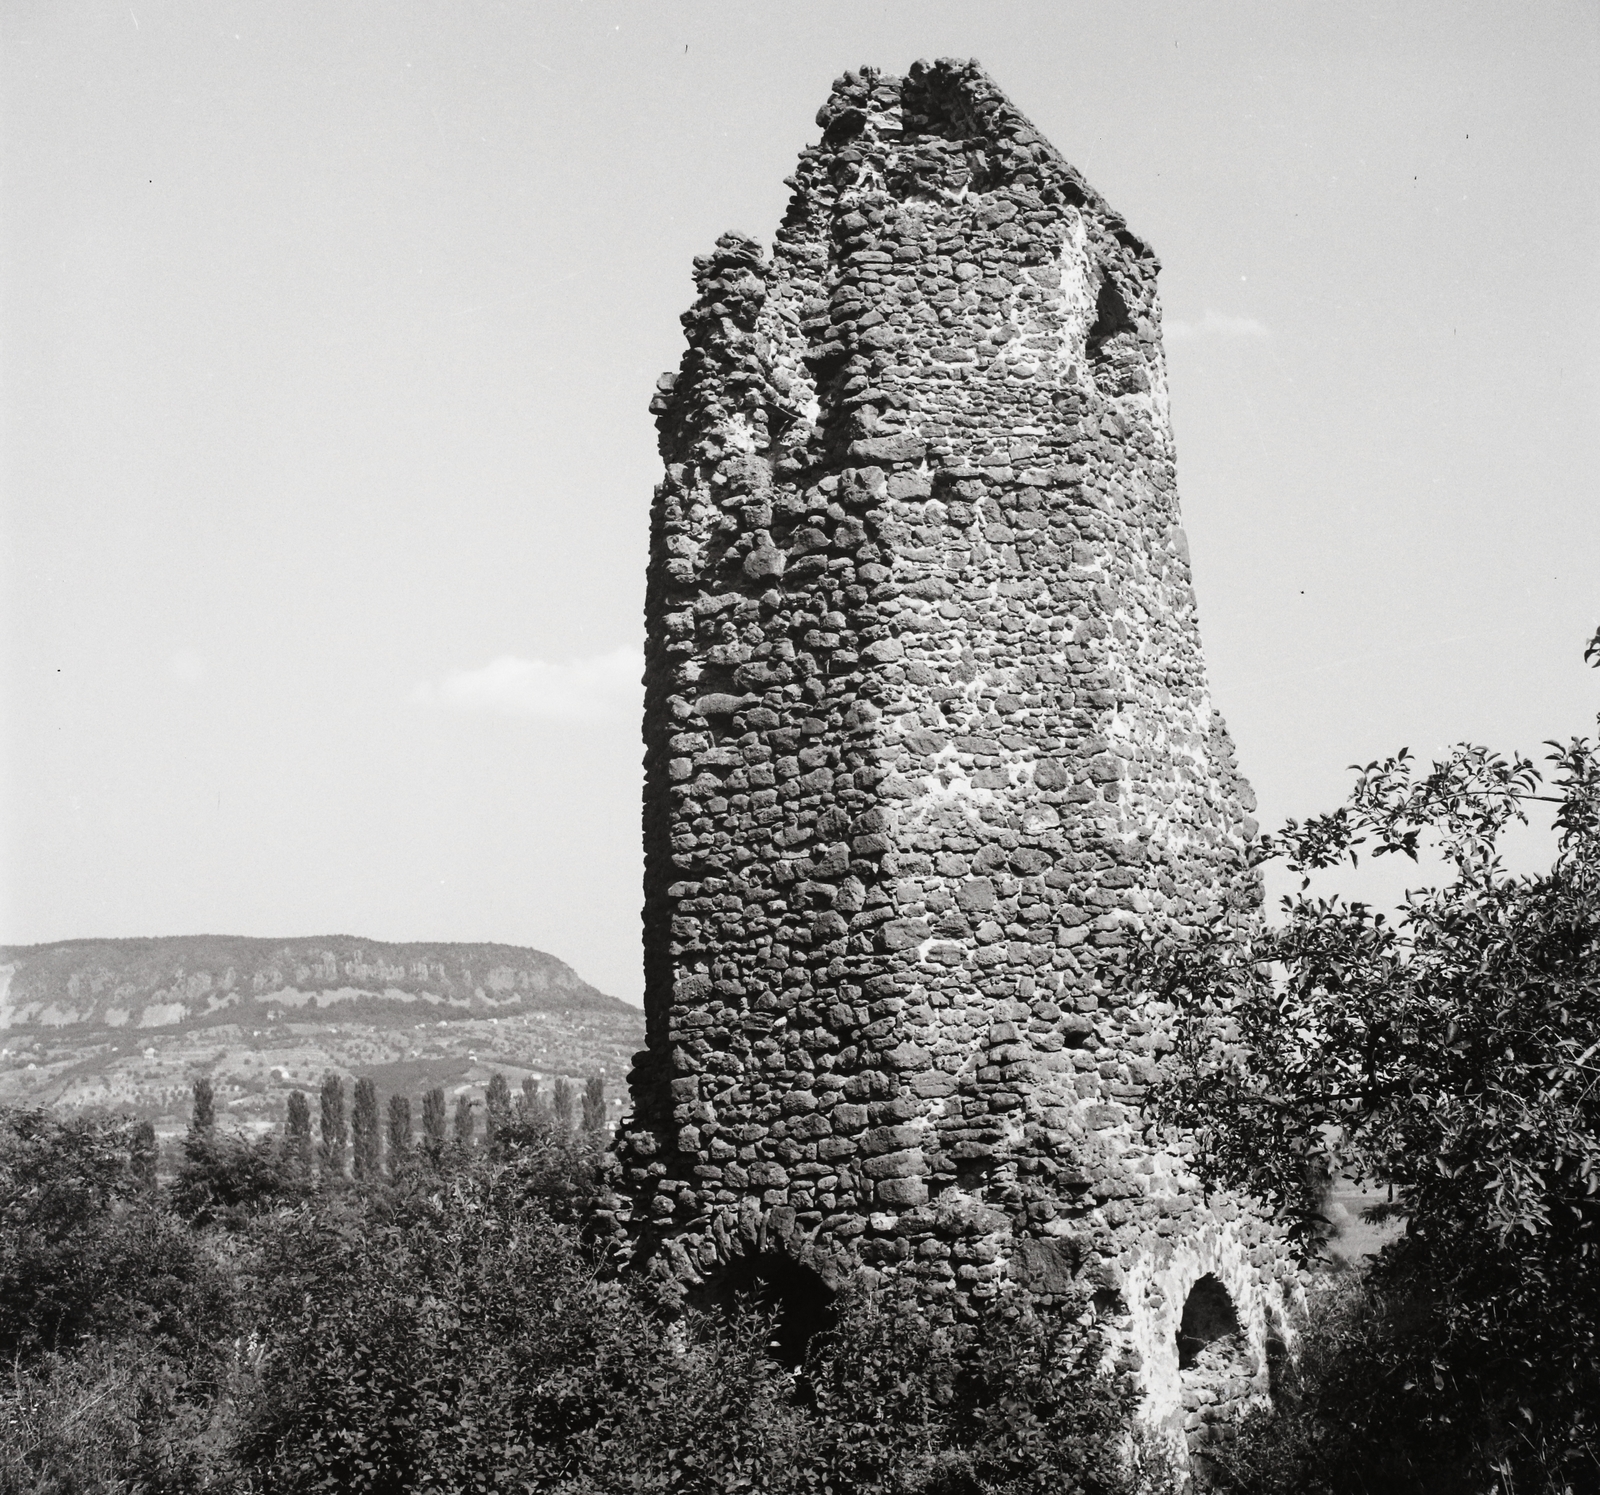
(1110, 318)
(798, 1301)
(1208, 1315)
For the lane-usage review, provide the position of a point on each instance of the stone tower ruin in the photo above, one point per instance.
(928, 743)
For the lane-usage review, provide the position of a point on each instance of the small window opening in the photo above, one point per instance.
(972, 1174)
(798, 1302)
(1208, 1316)
(1111, 317)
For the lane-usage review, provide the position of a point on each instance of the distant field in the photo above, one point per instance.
(1353, 1238)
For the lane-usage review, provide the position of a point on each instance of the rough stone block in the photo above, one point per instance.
(901, 1193)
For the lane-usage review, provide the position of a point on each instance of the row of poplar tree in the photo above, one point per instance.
(353, 1142)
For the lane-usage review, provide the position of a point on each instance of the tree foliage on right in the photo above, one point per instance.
(1449, 1051)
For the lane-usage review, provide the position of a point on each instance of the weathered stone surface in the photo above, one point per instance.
(1044, 1266)
(929, 742)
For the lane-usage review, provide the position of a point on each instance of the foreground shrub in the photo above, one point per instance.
(88, 1250)
(453, 1332)
(446, 1328)
(465, 1342)
(1447, 1051)
(1382, 1401)
(110, 1419)
(1012, 1404)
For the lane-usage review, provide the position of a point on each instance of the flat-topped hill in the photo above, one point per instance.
(129, 1024)
(183, 980)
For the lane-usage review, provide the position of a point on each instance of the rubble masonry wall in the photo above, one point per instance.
(928, 742)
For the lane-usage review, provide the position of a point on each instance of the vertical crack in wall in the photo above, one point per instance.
(928, 741)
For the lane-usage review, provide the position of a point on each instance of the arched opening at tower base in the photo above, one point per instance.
(1209, 1323)
(798, 1302)
(1215, 1371)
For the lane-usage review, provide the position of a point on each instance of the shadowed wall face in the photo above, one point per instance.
(928, 735)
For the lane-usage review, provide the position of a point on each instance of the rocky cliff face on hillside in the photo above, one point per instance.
(165, 983)
(130, 1024)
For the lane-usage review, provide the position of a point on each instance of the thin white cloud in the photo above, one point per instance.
(606, 685)
(1215, 324)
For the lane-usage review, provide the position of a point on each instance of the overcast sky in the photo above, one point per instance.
(329, 331)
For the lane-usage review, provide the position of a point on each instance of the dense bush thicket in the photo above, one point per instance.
(1450, 1051)
(89, 1250)
(1383, 1400)
(262, 1323)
